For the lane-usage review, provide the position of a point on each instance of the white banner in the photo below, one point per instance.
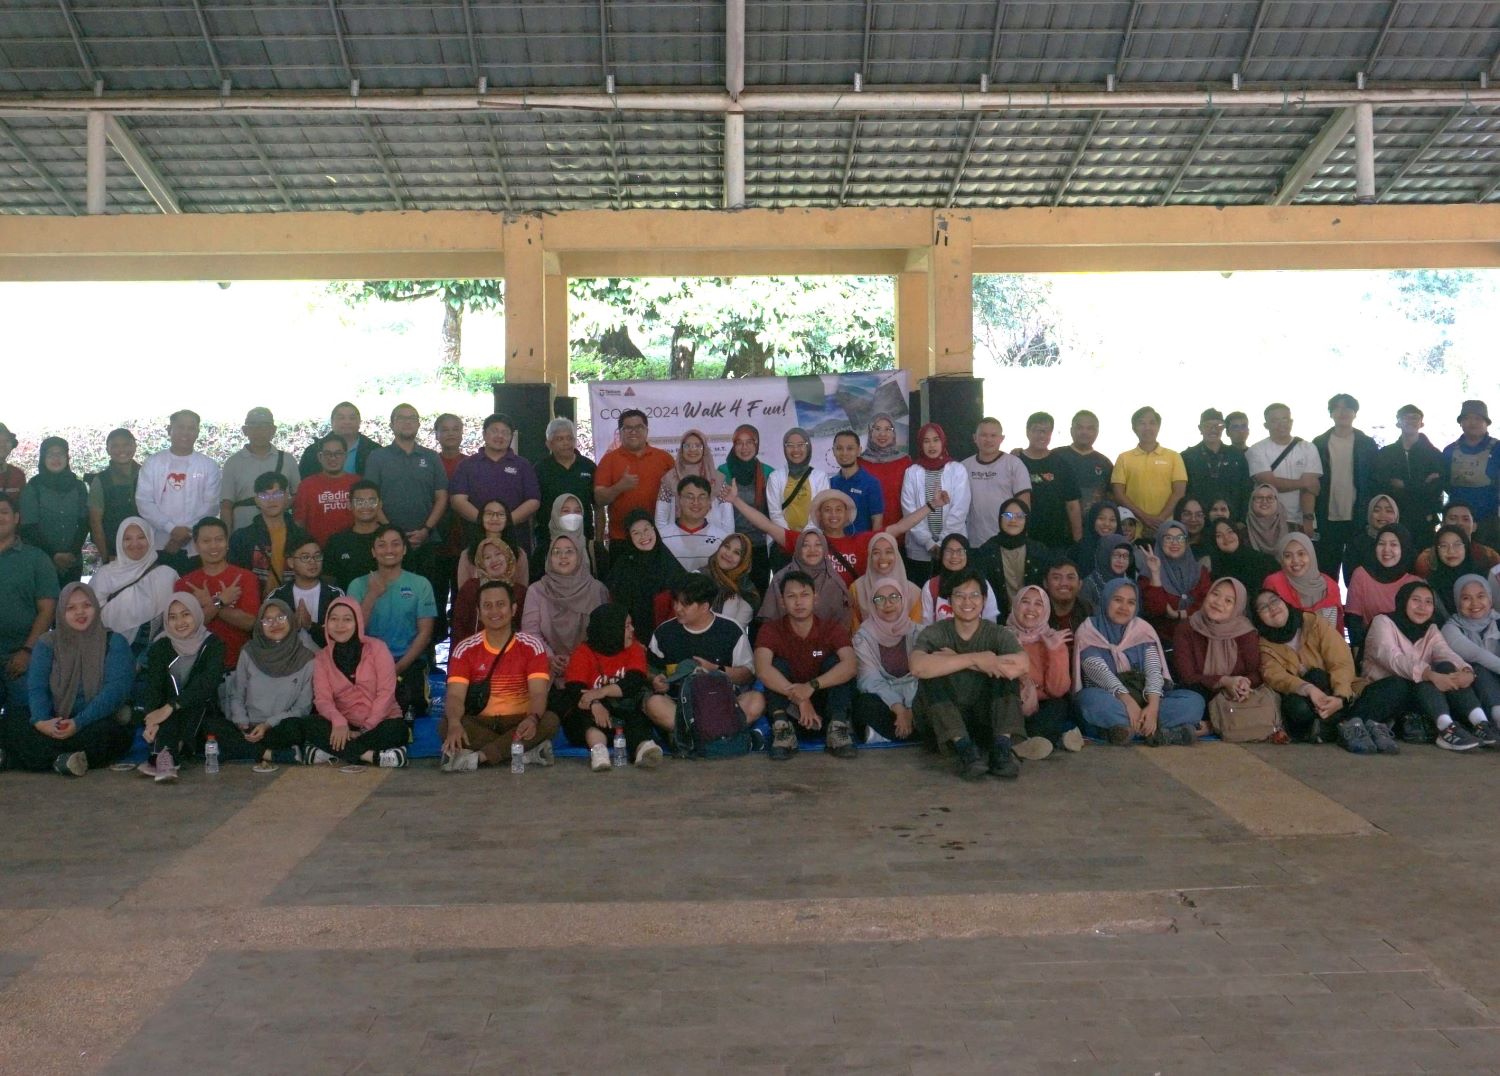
(821, 404)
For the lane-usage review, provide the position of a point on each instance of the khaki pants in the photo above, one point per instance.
(491, 736)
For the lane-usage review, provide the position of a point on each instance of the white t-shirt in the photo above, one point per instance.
(991, 485)
(1302, 459)
(693, 549)
(308, 598)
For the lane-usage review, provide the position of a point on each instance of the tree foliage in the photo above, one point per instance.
(457, 296)
(1431, 298)
(1015, 319)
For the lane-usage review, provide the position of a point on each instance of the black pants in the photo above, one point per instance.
(233, 747)
(179, 733)
(1388, 700)
(625, 712)
(1333, 547)
(412, 691)
(390, 733)
(760, 562)
(872, 712)
(13, 698)
(831, 703)
(442, 573)
(27, 749)
(1053, 717)
(1297, 714)
(1487, 687)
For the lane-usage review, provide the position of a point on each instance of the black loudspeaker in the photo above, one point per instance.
(565, 407)
(956, 404)
(530, 405)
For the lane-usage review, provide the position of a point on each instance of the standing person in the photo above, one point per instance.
(228, 596)
(858, 484)
(1013, 558)
(807, 665)
(269, 696)
(12, 478)
(606, 680)
(693, 536)
(448, 429)
(1046, 703)
(1347, 457)
(1289, 465)
(28, 598)
(994, 478)
(693, 459)
(112, 492)
(345, 422)
(1310, 666)
(790, 489)
(134, 587)
(1237, 426)
(1413, 471)
(413, 490)
(935, 472)
(55, 510)
(349, 553)
(1301, 585)
(629, 476)
(177, 487)
(321, 505)
(745, 471)
(565, 470)
(1473, 470)
(398, 607)
(1091, 469)
(968, 695)
(356, 716)
(305, 593)
(886, 459)
(237, 482)
(1149, 479)
(885, 689)
(184, 669)
(1377, 579)
(1214, 470)
(558, 604)
(643, 571)
(954, 556)
(497, 473)
(266, 543)
(1055, 503)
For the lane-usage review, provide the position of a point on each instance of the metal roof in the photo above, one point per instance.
(543, 159)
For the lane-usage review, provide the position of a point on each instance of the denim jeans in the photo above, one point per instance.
(1102, 710)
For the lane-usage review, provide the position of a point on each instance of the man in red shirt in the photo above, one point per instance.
(629, 477)
(229, 595)
(806, 664)
(515, 667)
(321, 506)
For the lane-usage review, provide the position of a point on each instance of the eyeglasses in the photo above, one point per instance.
(1013, 515)
(309, 558)
(270, 495)
(332, 453)
(365, 502)
(633, 427)
(273, 619)
(1173, 539)
(967, 596)
(794, 444)
(887, 599)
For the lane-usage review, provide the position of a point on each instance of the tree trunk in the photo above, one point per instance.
(750, 358)
(616, 344)
(684, 354)
(453, 344)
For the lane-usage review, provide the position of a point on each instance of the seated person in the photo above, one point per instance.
(357, 717)
(184, 668)
(1012, 559)
(692, 536)
(228, 594)
(1101, 519)
(269, 696)
(266, 544)
(1175, 583)
(730, 569)
(953, 557)
(560, 602)
(1063, 585)
(1310, 666)
(134, 587)
(885, 566)
(1462, 517)
(806, 665)
(494, 522)
(1414, 672)
(495, 560)
(606, 681)
(643, 573)
(1120, 676)
(498, 682)
(1454, 555)
(697, 634)
(1381, 512)
(884, 688)
(1376, 578)
(812, 559)
(968, 672)
(1046, 689)
(349, 553)
(305, 593)
(399, 609)
(1230, 556)
(78, 681)
(1473, 632)
(1217, 651)
(1300, 583)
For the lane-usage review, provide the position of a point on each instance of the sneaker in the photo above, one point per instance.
(840, 742)
(316, 756)
(1414, 729)
(1003, 762)
(599, 758)
(648, 755)
(1158, 737)
(1118, 735)
(1380, 733)
(1456, 738)
(1033, 748)
(1072, 740)
(1485, 733)
(147, 768)
(71, 765)
(783, 741)
(393, 759)
(461, 761)
(970, 766)
(757, 740)
(541, 755)
(1181, 736)
(166, 768)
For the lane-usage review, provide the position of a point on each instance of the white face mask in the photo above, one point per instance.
(570, 521)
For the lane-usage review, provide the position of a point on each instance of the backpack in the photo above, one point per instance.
(709, 721)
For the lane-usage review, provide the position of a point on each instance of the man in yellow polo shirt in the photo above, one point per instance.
(1149, 479)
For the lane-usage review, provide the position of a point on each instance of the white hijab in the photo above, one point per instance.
(132, 592)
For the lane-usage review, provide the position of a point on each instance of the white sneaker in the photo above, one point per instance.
(166, 767)
(461, 761)
(599, 758)
(541, 754)
(648, 755)
(1072, 740)
(1033, 748)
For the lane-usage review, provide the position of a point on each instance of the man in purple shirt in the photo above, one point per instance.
(496, 473)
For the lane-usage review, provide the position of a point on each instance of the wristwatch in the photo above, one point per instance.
(218, 602)
(813, 683)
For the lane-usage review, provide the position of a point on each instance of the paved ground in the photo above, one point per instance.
(1219, 909)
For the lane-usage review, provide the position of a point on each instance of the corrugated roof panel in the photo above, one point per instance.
(792, 43)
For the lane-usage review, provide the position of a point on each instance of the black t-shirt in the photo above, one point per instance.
(1053, 485)
(347, 556)
(723, 642)
(1091, 470)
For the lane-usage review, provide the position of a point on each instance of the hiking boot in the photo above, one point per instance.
(1414, 730)
(970, 766)
(648, 755)
(1181, 736)
(1003, 762)
(783, 740)
(1456, 738)
(75, 764)
(1033, 748)
(541, 755)
(1355, 737)
(1118, 735)
(840, 744)
(1072, 740)
(166, 768)
(1385, 743)
(393, 759)
(599, 758)
(466, 761)
(1485, 733)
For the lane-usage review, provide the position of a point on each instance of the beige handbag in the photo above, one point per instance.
(1251, 721)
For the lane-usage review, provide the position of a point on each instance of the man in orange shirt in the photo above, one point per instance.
(629, 477)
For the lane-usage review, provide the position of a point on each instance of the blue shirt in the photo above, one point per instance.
(114, 685)
(393, 620)
(864, 490)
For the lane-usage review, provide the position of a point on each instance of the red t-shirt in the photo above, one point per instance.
(847, 551)
(594, 670)
(453, 524)
(510, 671)
(805, 656)
(321, 506)
(249, 602)
(649, 467)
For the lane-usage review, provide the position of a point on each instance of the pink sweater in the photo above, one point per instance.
(1368, 599)
(1389, 653)
(369, 698)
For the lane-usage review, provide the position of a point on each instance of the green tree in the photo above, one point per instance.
(1431, 298)
(1015, 321)
(458, 297)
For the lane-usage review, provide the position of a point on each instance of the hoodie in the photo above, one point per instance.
(368, 699)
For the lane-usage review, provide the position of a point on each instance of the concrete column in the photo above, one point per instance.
(555, 309)
(95, 163)
(951, 294)
(913, 340)
(525, 304)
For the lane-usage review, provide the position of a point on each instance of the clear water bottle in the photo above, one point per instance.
(211, 756)
(517, 757)
(619, 753)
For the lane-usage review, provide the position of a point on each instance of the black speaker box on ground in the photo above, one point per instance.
(565, 407)
(956, 404)
(530, 405)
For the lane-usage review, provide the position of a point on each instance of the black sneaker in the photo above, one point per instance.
(1380, 733)
(1414, 729)
(1003, 762)
(1354, 734)
(783, 741)
(1118, 735)
(74, 764)
(1158, 737)
(1181, 736)
(1456, 738)
(392, 759)
(840, 743)
(1322, 732)
(970, 766)
(1485, 733)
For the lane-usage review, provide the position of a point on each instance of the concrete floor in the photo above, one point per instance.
(1219, 909)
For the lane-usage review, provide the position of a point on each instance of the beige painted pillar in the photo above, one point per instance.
(913, 339)
(951, 294)
(555, 309)
(525, 303)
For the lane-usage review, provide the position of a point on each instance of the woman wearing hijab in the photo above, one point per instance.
(1193, 516)
(1452, 559)
(886, 459)
(1301, 585)
(1230, 556)
(746, 472)
(1379, 575)
(885, 689)
(77, 683)
(1176, 583)
(494, 522)
(1217, 651)
(1120, 676)
(885, 566)
(934, 470)
(495, 560)
(566, 517)
(1266, 524)
(184, 668)
(134, 587)
(642, 572)
(55, 511)
(605, 680)
(954, 555)
(1382, 512)
(729, 568)
(693, 458)
(357, 717)
(1012, 558)
(790, 489)
(269, 696)
(559, 604)
(1114, 558)
(1310, 666)
(1473, 632)
(831, 596)
(1103, 518)
(1414, 672)
(1045, 702)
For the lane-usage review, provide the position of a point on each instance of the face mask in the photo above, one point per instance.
(570, 521)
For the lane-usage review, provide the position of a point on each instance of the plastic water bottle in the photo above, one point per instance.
(211, 756)
(619, 753)
(517, 757)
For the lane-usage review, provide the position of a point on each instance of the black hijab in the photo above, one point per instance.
(1443, 577)
(56, 481)
(1011, 541)
(1249, 566)
(1083, 552)
(1284, 634)
(636, 577)
(1404, 624)
(1379, 572)
(606, 633)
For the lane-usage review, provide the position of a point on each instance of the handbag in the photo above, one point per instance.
(1257, 718)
